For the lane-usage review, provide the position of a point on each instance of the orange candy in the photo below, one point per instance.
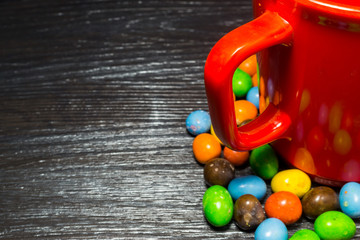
(244, 110)
(206, 147)
(249, 65)
(254, 80)
(235, 157)
(262, 104)
(262, 87)
(285, 206)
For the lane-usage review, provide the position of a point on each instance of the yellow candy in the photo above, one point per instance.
(292, 180)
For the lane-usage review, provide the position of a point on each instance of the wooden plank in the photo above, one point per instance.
(93, 104)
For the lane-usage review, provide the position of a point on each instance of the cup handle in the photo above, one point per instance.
(267, 30)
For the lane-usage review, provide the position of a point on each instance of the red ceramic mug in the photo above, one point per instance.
(308, 52)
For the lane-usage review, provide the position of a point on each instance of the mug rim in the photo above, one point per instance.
(334, 7)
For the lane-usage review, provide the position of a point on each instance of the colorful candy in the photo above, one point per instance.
(349, 198)
(206, 147)
(219, 171)
(250, 184)
(248, 212)
(255, 80)
(253, 96)
(305, 234)
(218, 206)
(244, 110)
(198, 122)
(285, 206)
(291, 180)
(334, 225)
(237, 158)
(249, 65)
(241, 83)
(271, 229)
(264, 162)
(319, 200)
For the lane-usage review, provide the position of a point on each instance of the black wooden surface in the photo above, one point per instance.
(93, 101)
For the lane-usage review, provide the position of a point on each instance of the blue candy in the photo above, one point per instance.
(271, 229)
(198, 122)
(349, 198)
(253, 96)
(250, 184)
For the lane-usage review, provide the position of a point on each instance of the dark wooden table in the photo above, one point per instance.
(93, 101)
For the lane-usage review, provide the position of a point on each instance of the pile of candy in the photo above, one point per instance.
(243, 199)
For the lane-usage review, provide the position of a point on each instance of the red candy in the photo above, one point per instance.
(235, 157)
(285, 206)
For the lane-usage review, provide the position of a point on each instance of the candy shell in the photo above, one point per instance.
(285, 206)
(264, 162)
(291, 180)
(244, 110)
(218, 171)
(334, 225)
(198, 122)
(237, 158)
(255, 80)
(319, 200)
(217, 206)
(250, 184)
(241, 83)
(206, 147)
(248, 212)
(271, 229)
(249, 65)
(349, 198)
(305, 234)
(253, 96)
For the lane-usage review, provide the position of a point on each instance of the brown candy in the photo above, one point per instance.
(319, 200)
(248, 212)
(219, 171)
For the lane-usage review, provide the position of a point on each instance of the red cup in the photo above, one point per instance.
(308, 54)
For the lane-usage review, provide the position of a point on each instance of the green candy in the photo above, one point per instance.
(218, 206)
(264, 162)
(305, 234)
(241, 83)
(333, 225)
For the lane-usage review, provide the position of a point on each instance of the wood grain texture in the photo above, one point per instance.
(93, 101)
